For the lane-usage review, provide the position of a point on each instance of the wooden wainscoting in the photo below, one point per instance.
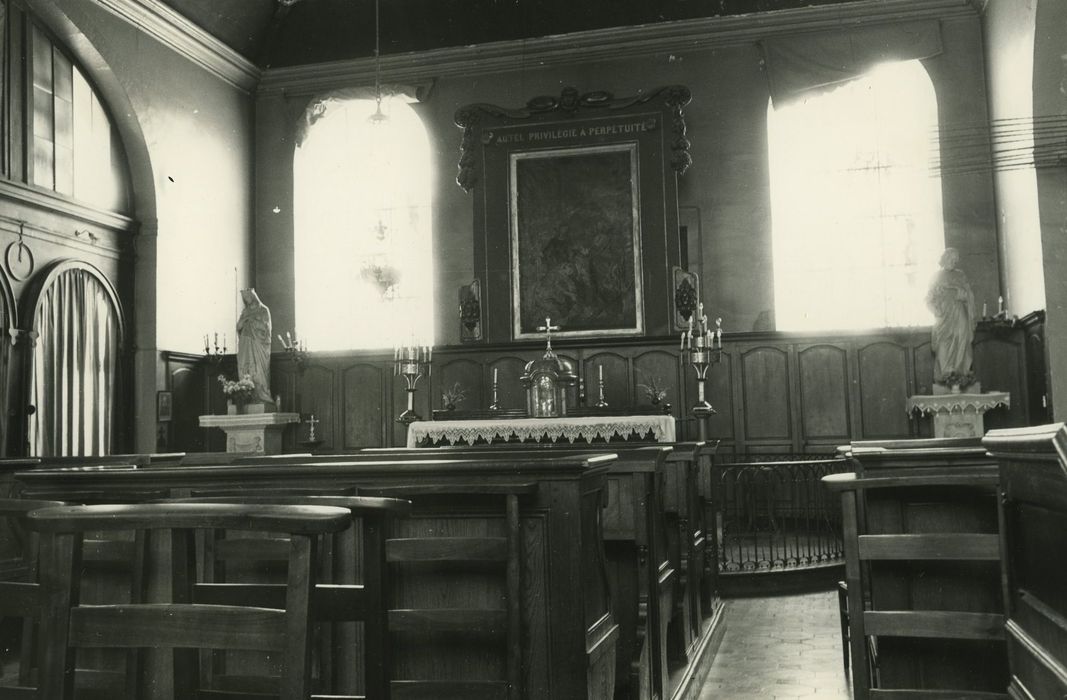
(773, 392)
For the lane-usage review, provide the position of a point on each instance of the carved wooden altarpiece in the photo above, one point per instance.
(576, 211)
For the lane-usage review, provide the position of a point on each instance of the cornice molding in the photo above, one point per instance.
(602, 44)
(178, 33)
(48, 201)
(30, 231)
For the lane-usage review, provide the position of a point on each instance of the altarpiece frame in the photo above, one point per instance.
(575, 204)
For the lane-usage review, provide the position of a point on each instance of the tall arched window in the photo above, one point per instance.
(75, 149)
(364, 277)
(856, 202)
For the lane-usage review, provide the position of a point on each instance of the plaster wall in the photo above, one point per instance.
(728, 181)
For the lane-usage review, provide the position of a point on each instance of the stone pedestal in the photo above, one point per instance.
(958, 415)
(253, 432)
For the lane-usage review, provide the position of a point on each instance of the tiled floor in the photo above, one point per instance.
(780, 648)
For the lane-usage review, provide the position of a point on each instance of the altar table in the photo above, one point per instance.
(572, 428)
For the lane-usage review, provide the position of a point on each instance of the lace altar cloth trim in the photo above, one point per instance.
(588, 427)
(958, 403)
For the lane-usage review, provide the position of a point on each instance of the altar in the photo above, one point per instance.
(587, 428)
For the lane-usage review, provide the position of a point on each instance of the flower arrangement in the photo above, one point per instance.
(240, 391)
(451, 396)
(960, 379)
(654, 391)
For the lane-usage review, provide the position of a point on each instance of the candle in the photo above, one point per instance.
(216, 339)
(495, 369)
(1000, 305)
(600, 373)
(984, 311)
(224, 342)
(682, 345)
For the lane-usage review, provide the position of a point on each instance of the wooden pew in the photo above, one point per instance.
(922, 565)
(569, 626)
(1033, 481)
(687, 627)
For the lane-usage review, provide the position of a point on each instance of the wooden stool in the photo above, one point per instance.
(182, 625)
(337, 598)
(431, 552)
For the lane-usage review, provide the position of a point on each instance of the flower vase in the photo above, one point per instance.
(236, 409)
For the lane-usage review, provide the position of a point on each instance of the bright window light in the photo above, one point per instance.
(364, 276)
(856, 203)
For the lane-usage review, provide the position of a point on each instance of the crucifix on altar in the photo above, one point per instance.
(547, 329)
(546, 380)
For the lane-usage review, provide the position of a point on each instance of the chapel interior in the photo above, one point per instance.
(420, 349)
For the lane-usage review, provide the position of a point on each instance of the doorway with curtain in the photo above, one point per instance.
(75, 363)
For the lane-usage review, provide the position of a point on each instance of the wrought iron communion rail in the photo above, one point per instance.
(777, 515)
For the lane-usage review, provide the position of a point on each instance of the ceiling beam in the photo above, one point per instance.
(602, 44)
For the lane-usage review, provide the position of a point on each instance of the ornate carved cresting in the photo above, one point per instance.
(570, 103)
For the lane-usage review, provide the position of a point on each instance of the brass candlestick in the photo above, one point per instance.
(411, 362)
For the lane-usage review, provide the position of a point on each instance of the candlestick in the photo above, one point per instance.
(496, 403)
(601, 403)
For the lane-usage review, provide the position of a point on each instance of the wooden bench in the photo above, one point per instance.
(1033, 479)
(922, 568)
(665, 554)
(183, 624)
(570, 631)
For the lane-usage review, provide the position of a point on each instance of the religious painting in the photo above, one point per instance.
(576, 241)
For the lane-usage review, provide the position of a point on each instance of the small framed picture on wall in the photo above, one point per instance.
(164, 406)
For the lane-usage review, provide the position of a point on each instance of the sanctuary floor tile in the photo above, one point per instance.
(779, 648)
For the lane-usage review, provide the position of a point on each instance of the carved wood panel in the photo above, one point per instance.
(766, 394)
(468, 375)
(510, 393)
(187, 389)
(363, 394)
(659, 367)
(618, 383)
(883, 376)
(318, 396)
(824, 396)
(999, 360)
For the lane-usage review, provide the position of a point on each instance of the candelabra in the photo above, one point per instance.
(214, 353)
(702, 347)
(296, 350)
(411, 362)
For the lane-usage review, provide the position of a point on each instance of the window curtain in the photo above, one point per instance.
(800, 65)
(320, 106)
(74, 368)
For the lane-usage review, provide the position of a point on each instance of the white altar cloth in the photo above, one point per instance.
(571, 428)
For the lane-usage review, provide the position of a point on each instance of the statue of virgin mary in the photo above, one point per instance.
(253, 345)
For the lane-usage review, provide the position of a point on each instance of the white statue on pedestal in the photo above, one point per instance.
(253, 345)
(952, 302)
